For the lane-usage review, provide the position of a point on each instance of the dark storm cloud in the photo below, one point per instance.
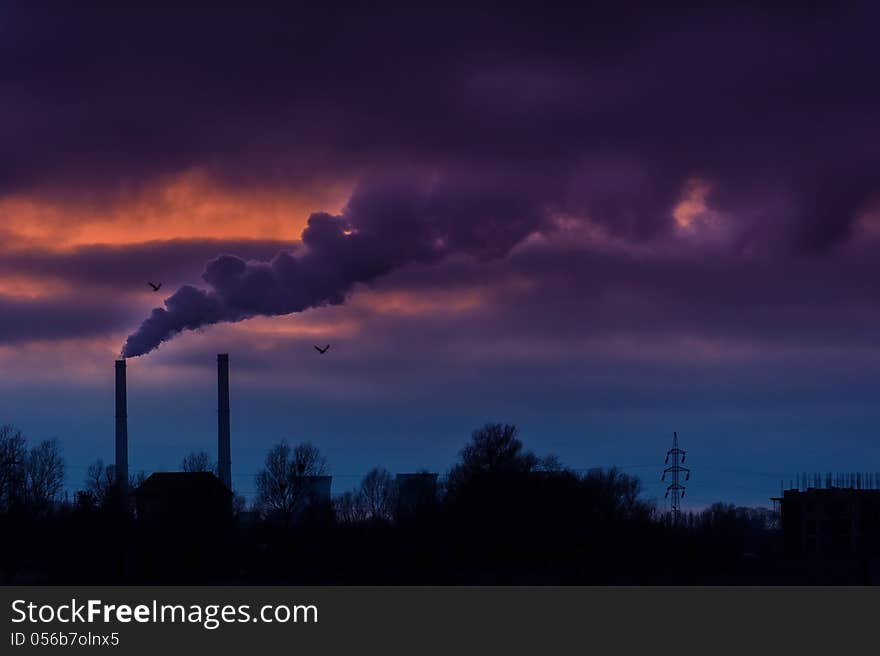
(604, 112)
(26, 320)
(126, 268)
(587, 298)
(771, 305)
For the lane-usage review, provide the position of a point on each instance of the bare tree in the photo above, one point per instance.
(308, 460)
(197, 461)
(615, 495)
(494, 448)
(45, 474)
(549, 463)
(378, 493)
(239, 504)
(350, 507)
(100, 481)
(13, 467)
(273, 481)
(281, 484)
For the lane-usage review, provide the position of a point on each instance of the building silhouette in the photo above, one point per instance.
(188, 498)
(829, 521)
(184, 522)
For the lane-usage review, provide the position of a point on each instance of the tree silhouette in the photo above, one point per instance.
(45, 475)
(282, 483)
(350, 507)
(614, 496)
(239, 504)
(100, 482)
(13, 467)
(496, 449)
(378, 494)
(197, 461)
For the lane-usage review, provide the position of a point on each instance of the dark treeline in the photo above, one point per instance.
(500, 515)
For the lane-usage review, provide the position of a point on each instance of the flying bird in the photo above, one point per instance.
(322, 351)
(156, 288)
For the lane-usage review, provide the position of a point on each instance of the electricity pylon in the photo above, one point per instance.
(675, 488)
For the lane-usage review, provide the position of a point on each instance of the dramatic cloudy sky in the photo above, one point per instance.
(600, 224)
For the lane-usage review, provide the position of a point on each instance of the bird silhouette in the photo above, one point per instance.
(156, 288)
(322, 351)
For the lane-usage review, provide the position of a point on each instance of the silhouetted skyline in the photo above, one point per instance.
(502, 514)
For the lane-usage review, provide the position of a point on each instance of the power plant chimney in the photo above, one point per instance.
(224, 457)
(121, 428)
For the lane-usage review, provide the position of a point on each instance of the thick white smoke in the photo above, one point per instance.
(382, 228)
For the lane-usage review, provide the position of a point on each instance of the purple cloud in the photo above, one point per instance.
(603, 111)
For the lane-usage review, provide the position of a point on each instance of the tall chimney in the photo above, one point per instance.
(224, 457)
(121, 428)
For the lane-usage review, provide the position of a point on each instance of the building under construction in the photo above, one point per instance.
(832, 515)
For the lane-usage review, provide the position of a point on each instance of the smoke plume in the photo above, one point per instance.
(382, 228)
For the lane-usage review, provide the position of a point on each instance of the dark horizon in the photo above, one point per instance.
(503, 515)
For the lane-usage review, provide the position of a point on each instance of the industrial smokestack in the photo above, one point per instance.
(224, 456)
(121, 428)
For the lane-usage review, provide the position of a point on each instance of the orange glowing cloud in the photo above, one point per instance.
(188, 206)
(418, 303)
(311, 325)
(24, 287)
(695, 219)
(692, 204)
